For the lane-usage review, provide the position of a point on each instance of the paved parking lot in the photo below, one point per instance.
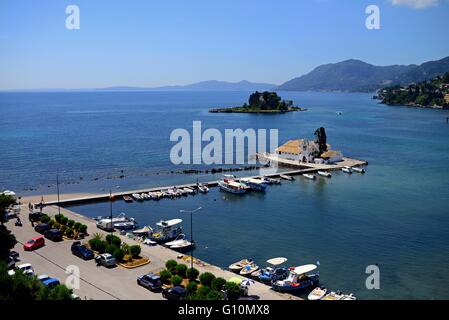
(100, 282)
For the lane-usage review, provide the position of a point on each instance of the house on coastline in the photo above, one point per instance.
(306, 151)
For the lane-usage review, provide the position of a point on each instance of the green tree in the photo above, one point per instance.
(192, 273)
(181, 269)
(218, 284)
(165, 275)
(192, 286)
(171, 265)
(118, 254)
(321, 139)
(207, 278)
(176, 280)
(135, 250)
(214, 295)
(7, 242)
(6, 201)
(113, 239)
(233, 291)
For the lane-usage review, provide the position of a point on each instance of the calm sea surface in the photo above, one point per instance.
(395, 216)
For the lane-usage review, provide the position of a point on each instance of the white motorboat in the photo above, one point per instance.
(143, 231)
(232, 186)
(237, 266)
(347, 170)
(109, 224)
(126, 225)
(350, 297)
(317, 293)
(254, 184)
(203, 188)
(145, 196)
(359, 170)
(137, 197)
(286, 177)
(309, 176)
(229, 176)
(182, 245)
(177, 240)
(188, 190)
(166, 230)
(325, 174)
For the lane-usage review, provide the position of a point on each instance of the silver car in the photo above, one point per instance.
(106, 260)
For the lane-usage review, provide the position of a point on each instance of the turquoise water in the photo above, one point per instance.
(395, 216)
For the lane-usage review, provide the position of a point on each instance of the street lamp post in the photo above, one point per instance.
(191, 232)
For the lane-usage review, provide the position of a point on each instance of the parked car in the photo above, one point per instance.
(48, 281)
(10, 262)
(34, 243)
(26, 268)
(53, 234)
(41, 228)
(150, 281)
(82, 251)
(14, 255)
(175, 293)
(35, 216)
(106, 260)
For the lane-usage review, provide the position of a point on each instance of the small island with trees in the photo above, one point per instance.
(262, 102)
(433, 93)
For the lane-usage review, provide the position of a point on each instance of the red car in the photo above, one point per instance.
(34, 243)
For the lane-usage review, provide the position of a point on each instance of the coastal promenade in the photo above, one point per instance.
(117, 283)
(298, 168)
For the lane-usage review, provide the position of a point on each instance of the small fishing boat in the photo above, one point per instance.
(347, 170)
(271, 180)
(177, 240)
(166, 231)
(350, 297)
(121, 222)
(332, 296)
(127, 199)
(317, 294)
(309, 176)
(248, 269)
(255, 184)
(298, 278)
(325, 174)
(286, 177)
(188, 190)
(203, 188)
(359, 170)
(145, 196)
(159, 195)
(126, 225)
(142, 232)
(137, 197)
(232, 186)
(237, 266)
(182, 246)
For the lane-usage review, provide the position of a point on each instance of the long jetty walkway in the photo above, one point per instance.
(298, 168)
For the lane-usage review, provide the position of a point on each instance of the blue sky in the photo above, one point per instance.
(152, 42)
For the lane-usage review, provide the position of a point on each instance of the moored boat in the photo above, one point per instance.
(248, 269)
(127, 199)
(166, 231)
(182, 245)
(332, 296)
(232, 186)
(299, 278)
(359, 170)
(273, 272)
(268, 180)
(237, 266)
(286, 177)
(325, 174)
(254, 184)
(309, 176)
(350, 297)
(347, 170)
(137, 197)
(203, 188)
(317, 294)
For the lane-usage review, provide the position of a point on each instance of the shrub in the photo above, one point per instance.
(218, 284)
(62, 228)
(51, 223)
(83, 228)
(192, 273)
(171, 265)
(181, 269)
(134, 251)
(68, 232)
(45, 219)
(233, 291)
(206, 279)
(176, 280)
(56, 225)
(97, 243)
(203, 291)
(110, 248)
(71, 223)
(77, 226)
(64, 220)
(192, 287)
(165, 275)
(118, 254)
(214, 295)
(59, 217)
(112, 239)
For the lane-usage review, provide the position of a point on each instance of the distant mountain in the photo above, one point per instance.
(210, 85)
(359, 76)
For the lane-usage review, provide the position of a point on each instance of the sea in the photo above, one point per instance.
(394, 219)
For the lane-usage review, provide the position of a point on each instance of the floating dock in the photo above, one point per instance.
(300, 169)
